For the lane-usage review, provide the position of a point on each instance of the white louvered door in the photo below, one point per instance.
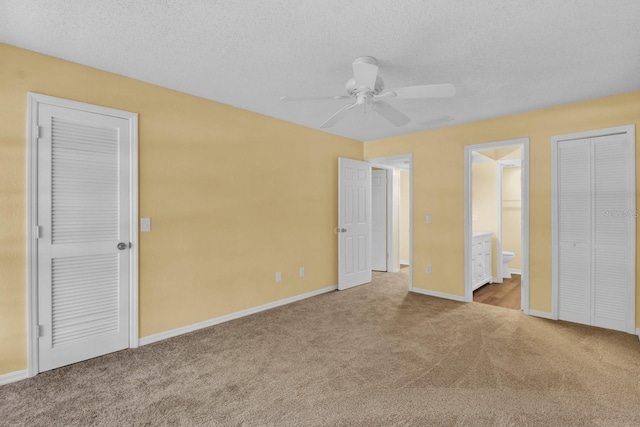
(574, 231)
(83, 213)
(612, 232)
(596, 231)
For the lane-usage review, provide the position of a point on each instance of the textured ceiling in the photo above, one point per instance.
(504, 56)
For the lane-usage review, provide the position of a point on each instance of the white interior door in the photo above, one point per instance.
(354, 223)
(83, 216)
(596, 231)
(379, 220)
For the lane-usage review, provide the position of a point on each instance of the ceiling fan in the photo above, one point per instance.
(367, 89)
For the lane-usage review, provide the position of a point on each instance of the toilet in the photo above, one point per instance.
(507, 257)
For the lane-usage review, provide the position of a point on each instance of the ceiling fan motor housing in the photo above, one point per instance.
(352, 89)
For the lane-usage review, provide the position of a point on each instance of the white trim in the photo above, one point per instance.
(468, 226)
(631, 249)
(411, 261)
(405, 262)
(498, 255)
(515, 271)
(232, 316)
(524, 237)
(438, 294)
(391, 247)
(542, 314)
(638, 332)
(32, 250)
(33, 100)
(12, 377)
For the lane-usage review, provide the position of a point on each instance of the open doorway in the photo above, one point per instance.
(496, 224)
(391, 216)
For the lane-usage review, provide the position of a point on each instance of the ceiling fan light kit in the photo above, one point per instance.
(366, 88)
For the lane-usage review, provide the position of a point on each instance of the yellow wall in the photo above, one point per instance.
(438, 161)
(512, 214)
(484, 208)
(404, 216)
(234, 197)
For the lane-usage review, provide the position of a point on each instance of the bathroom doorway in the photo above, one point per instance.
(398, 216)
(496, 224)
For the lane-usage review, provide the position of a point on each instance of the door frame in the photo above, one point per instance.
(33, 101)
(631, 248)
(393, 188)
(468, 225)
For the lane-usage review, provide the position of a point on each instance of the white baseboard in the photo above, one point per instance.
(542, 314)
(405, 262)
(638, 333)
(227, 317)
(12, 377)
(438, 294)
(515, 271)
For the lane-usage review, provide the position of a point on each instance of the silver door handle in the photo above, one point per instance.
(122, 246)
(342, 230)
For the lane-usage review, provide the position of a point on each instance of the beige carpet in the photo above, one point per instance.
(374, 355)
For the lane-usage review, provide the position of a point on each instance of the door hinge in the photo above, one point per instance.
(38, 231)
(38, 132)
(39, 331)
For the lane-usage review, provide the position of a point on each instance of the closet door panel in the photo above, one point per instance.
(611, 231)
(574, 231)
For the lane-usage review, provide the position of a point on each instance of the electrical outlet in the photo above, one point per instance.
(301, 271)
(428, 268)
(278, 277)
(428, 219)
(145, 225)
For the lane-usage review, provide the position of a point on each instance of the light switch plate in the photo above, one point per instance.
(428, 219)
(145, 225)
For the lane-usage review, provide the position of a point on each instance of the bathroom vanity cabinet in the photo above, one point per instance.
(481, 259)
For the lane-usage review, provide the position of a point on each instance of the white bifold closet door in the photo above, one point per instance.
(596, 217)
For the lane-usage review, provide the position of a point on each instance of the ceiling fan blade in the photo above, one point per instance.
(339, 115)
(312, 98)
(365, 71)
(390, 113)
(425, 91)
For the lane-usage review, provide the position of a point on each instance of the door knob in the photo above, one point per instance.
(122, 246)
(343, 230)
